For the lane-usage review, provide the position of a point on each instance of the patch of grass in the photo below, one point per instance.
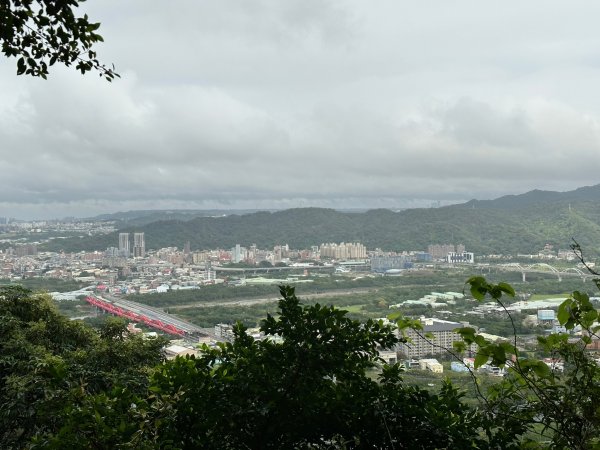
(352, 308)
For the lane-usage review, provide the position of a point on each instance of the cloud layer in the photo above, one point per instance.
(274, 104)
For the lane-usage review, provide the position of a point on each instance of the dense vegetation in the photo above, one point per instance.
(46, 284)
(312, 384)
(54, 372)
(484, 227)
(144, 217)
(315, 382)
(215, 293)
(363, 298)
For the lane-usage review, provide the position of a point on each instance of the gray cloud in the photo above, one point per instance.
(339, 103)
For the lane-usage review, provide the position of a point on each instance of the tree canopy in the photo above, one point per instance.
(51, 367)
(40, 33)
(315, 381)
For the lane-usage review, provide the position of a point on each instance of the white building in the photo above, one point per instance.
(431, 364)
(442, 336)
(124, 245)
(389, 356)
(460, 258)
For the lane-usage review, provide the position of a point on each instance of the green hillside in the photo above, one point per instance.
(144, 217)
(514, 224)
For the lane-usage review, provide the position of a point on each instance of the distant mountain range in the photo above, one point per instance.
(144, 217)
(535, 197)
(510, 224)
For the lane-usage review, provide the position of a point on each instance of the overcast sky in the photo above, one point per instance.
(287, 103)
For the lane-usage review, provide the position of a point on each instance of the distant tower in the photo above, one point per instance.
(237, 253)
(209, 273)
(139, 245)
(124, 244)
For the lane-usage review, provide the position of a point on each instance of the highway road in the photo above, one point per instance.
(153, 313)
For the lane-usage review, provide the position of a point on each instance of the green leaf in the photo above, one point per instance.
(498, 356)
(481, 358)
(93, 26)
(21, 67)
(479, 287)
(459, 346)
(589, 318)
(506, 288)
(395, 316)
(564, 311)
(580, 297)
(541, 369)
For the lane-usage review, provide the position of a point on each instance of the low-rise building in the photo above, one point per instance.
(175, 350)
(389, 356)
(431, 364)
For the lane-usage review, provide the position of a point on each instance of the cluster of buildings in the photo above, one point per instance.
(333, 252)
(125, 250)
(422, 347)
(450, 254)
(131, 267)
(382, 262)
(69, 226)
(549, 253)
(21, 256)
(354, 250)
(280, 254)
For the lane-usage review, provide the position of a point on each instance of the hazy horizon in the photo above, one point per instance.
(335, 103)
(186, 207)
(249, 208)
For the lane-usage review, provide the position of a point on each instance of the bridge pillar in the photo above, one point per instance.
(559, 278)
(524, 277)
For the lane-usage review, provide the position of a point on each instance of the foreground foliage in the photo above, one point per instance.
(306, 386)
(51, 367)
(536, 398)
(311, 383)
(40, 33)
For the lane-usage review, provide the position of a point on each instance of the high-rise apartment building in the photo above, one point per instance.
(124, 245)
(237, 253)
(353, 250)
(139, 245)
(434, 339)
(26, 250)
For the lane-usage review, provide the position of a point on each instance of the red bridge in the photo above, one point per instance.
(136, 317)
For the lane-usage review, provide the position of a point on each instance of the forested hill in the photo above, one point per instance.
(537, 197)
(143, 217)
(506, 225)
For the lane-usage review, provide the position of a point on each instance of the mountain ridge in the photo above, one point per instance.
(522, 223)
